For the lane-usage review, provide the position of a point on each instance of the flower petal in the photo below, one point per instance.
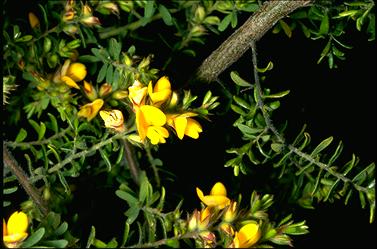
(17, 223)
(180, 124)
(162, 84)
(249, 234)
(218, 189)
(89, 111)
(141, 124)
(153, 115)
(193, 128)
(157, 134)
(70, 82)
(218, 201)
(77, 71)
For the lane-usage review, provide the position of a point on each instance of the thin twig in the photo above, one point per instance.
(95, 147)
(164, 241)
(44, 141)
(131, 162)
(11, 163)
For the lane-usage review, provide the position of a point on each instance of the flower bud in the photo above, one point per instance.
(113, 119)
(120, 94)
(68, 16)
(199, 14)
(90, 21)
(77, 71)
(46, 44)
(90, 91)
(70, 29)
(105, 89)
(33, 20)
(231, 212)
(173, 100)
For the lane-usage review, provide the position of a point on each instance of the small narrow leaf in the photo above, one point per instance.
(238, 80)
(102, 73)
(287, 30)
(21, 135)
(225, 22)
(131, 200)
(165, 14)
(324, 28)
(92, 236)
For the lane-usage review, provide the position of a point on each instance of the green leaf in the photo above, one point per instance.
(102, 73)
(114, 48)
(249, 130)
(34, 238)
(277, 95)
(125, 233)
(149, 9)
(54, 123)
(234, 20)
(7, 191)
(41, 131)
(131, 200)
(61, 229)
(225, 22)
(61, 243)
(269, 66)
(24, 38)
(165, 14)
(21, 135)
(241, 102)
(34, 124)
(287, 30)
(92, 236)
(322, 146)
(238, 80)
(89, 58)
(109, 74)
(106, 159)
(324, 28)
(132, 213)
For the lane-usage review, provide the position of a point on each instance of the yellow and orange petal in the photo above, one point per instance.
(89, 111)
(160, 92)
(76, 71)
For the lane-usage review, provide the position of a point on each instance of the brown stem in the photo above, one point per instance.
(11, 163)
(131, 162)
(239, 42)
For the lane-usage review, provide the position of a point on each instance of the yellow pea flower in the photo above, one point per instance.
(76, 71)
(70, 74)
(184, 125)
(160, 92)
(247, 236)
(149, 123)
(227, 228)
(89, 111)
(14, 231)
(113, 119)
(216, 198)
(137, 94)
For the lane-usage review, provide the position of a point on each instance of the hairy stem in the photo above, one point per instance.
(44, 141)
(11, 163)
(95, 147)
(239, 42)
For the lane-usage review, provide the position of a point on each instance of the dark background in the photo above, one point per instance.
(339, 102)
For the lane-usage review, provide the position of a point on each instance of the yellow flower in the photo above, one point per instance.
(89, 111)
(33, 20)
(248, 235)
(184, 125)
(149, 122)
(72, 73)
(113, 119)
(161, 91)
(216, 198)
(137, 94)
(76, 71)
(14, 231)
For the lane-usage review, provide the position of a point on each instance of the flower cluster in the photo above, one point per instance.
(218, 207)
(151, 103)
(14, 231)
